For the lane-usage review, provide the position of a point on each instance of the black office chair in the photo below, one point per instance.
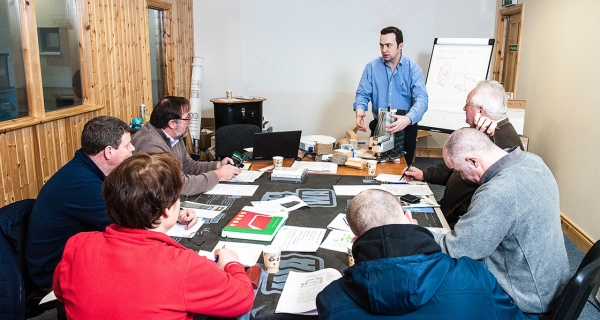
(20, 297)
(575, 294)
(234, 137)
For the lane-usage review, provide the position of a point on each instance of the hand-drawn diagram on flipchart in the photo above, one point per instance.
(456, 65)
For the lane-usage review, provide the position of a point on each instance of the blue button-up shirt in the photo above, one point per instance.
(402, 90)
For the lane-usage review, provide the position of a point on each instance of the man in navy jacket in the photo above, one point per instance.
(401, 273)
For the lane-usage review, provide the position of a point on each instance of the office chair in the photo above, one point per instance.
(234, 137)
(19, 296)
(575, 294)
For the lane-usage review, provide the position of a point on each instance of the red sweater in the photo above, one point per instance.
(139, 274)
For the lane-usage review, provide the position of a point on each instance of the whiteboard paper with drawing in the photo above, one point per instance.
(456, 65)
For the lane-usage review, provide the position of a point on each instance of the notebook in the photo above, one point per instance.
(270, 144)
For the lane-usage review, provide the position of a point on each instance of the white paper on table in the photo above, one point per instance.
(246, 176)
(47, 298)
(234, 189)
(248, 253)
(299, 295)
(352, 190)
(392, 178)
(316, 166)
(179, 230)
(338, 240)
(289, 203)
(299, 239)
(339, 223)
(202, 210)
(414, 189)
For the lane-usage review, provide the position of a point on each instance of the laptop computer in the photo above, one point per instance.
(270, 144)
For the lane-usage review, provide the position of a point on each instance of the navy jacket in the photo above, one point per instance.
(69, 203)
(400, 273)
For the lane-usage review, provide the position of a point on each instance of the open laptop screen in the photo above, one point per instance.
(270, 144)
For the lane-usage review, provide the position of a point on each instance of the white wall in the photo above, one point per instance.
(306, 56)
(558, 76)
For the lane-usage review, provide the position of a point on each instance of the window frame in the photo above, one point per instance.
(33, 73)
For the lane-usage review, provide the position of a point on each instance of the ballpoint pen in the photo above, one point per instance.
(217, 258)
(407, 169)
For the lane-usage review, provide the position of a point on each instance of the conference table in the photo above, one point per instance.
(324, 205)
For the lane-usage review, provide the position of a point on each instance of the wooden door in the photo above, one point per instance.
(508, 45)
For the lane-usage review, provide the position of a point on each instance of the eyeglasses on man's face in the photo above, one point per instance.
(188, 118)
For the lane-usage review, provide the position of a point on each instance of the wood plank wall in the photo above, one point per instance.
(116, 75)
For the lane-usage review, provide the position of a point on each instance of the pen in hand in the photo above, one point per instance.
(407, 169)
(217, 258)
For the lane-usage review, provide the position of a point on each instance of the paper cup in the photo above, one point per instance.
(277, 161)
(371, 166)
(228, 94)
(271, 257)
(350, 256)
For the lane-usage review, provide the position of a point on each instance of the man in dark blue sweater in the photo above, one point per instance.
(71, 201)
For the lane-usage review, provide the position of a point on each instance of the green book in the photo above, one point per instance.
(254, 224)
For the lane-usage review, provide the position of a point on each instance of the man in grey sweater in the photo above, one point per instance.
(168, 124)
(513, 222)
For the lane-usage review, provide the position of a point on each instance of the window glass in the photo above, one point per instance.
(155, 30)
(13, 90)
(59, 53)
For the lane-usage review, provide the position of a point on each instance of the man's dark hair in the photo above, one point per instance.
(396, 31)
(138, 191)
(167, 109)
(101, 132)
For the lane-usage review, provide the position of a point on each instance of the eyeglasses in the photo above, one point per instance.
(189, 118)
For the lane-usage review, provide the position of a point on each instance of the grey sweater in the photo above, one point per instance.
(513, 226)
(198, 176)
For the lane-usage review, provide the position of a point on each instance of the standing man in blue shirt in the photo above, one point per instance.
(397, 82)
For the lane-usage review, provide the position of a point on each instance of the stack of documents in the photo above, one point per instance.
(289, 174)
(316, 166)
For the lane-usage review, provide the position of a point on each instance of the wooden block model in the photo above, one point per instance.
(356, 163)
(323, 148)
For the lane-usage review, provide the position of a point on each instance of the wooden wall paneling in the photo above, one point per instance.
(7, 173)
(14, 165)
(6, 184)
(27, 162)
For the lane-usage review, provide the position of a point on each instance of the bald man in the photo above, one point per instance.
(513, 223)
(401, 271)
(485, 109)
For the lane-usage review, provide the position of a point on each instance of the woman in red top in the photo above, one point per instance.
(134, 270)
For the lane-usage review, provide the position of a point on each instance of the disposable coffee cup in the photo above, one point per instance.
(371, 166)
(277, 161)
(354, 144)
(350, 256)
(228, 94)
(271, 257)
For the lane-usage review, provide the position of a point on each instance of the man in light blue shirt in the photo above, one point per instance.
(396, 82)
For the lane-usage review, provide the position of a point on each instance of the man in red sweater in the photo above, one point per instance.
(134, 270)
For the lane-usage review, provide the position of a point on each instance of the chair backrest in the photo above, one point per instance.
(234, 137)
(14, 219)
(578, 289)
